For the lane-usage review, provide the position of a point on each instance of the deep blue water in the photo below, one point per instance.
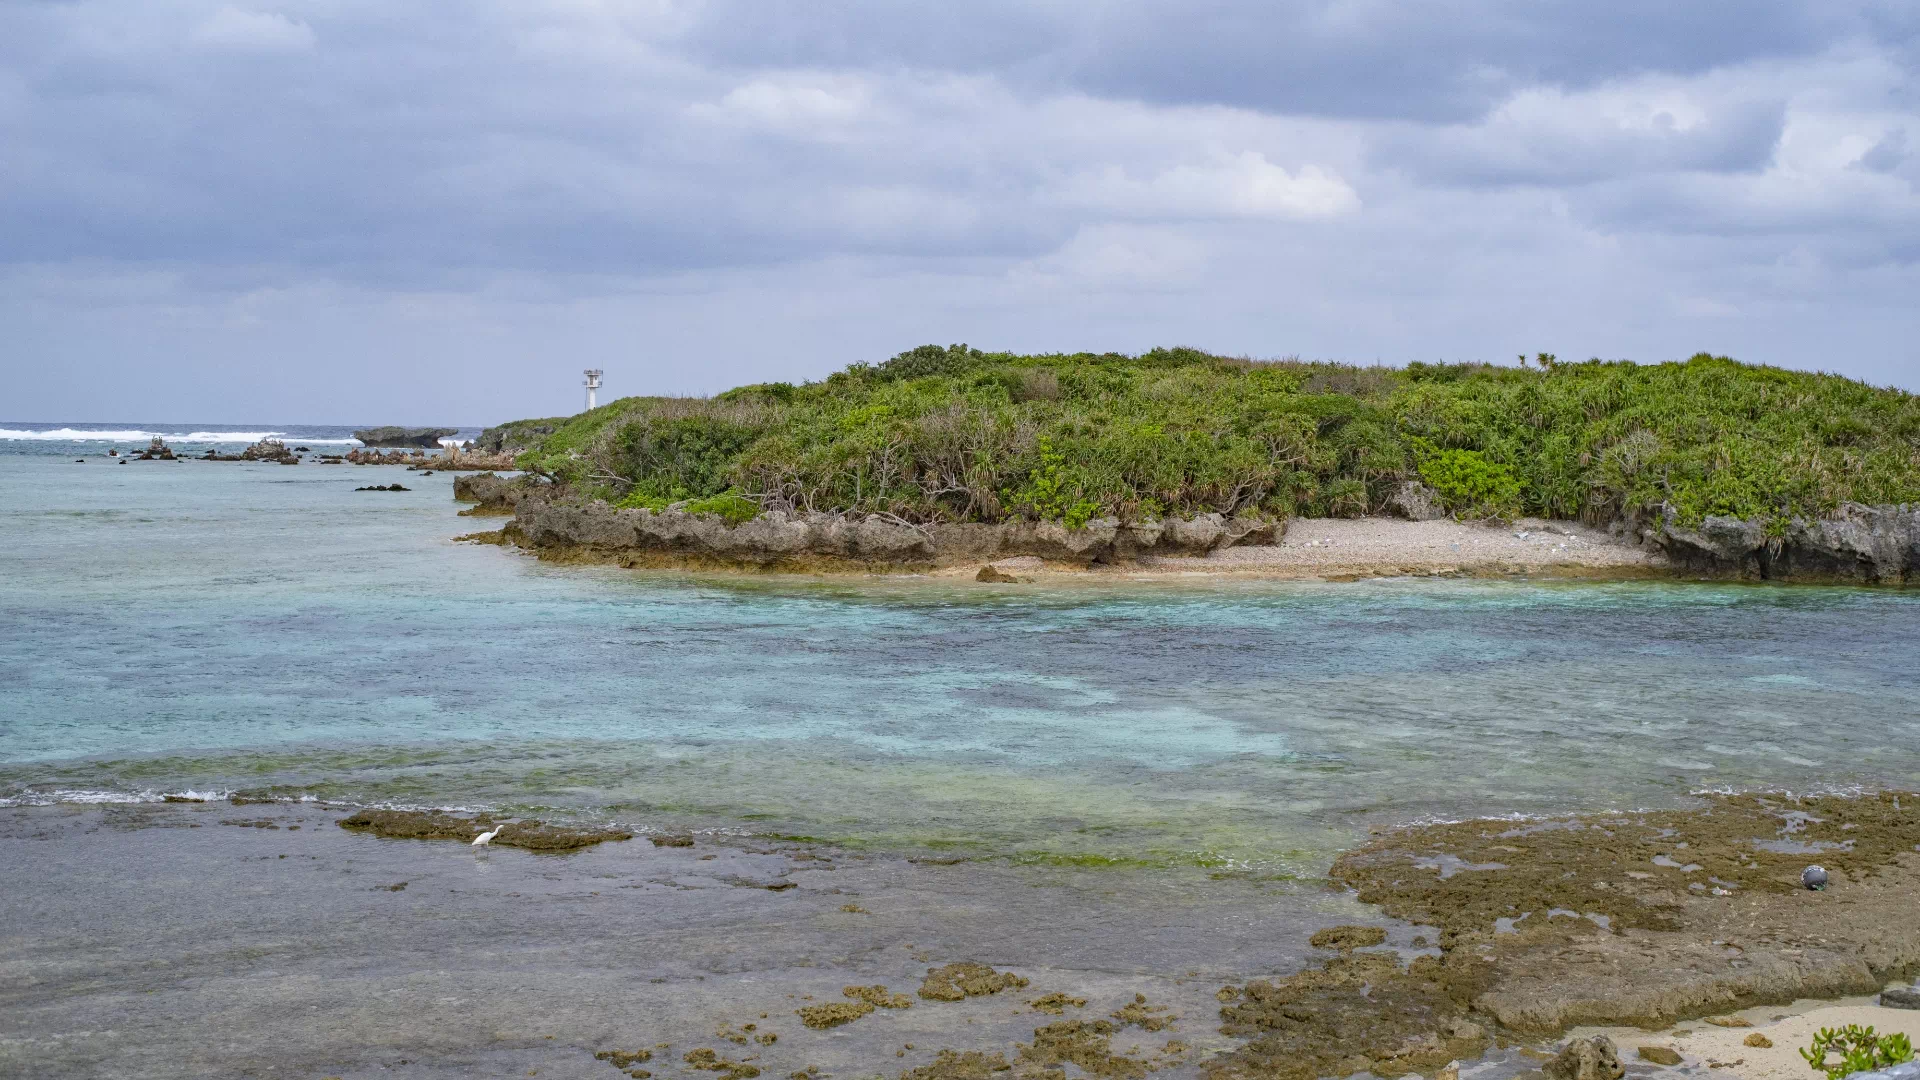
(214, 626)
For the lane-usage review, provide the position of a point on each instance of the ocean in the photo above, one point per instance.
(210, 627)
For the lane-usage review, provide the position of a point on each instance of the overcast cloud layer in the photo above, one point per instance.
(362, 210)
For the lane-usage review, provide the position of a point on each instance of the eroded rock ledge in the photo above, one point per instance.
(594, 530)
(1866, 544)
(1861, 543)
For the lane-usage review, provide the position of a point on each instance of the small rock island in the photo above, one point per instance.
(389, 436)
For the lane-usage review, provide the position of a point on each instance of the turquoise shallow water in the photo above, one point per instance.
(209, 627)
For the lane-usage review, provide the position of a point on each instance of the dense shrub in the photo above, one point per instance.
(1467, 482)
(951, 433)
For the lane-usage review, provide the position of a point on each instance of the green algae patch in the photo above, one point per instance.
(878, 997)
(1087, 1044)
(1057, 1003)
(1348, 938)
(1138, 1013)
(947, 1065)
(710, 1061)
(958, 982)
(833, 1013)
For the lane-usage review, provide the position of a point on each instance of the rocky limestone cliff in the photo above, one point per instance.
(595, 529)
(494, 493)
(428, 437)
(513, 438)
(1868, 544)
(1858, 543)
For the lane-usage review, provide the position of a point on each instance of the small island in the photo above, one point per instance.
(403, 437)
(948, 456)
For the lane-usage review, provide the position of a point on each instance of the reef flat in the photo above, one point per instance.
(267, 938)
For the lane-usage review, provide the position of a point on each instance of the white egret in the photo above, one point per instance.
(487, 837)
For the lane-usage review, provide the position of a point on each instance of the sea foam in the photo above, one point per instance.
(133, 435)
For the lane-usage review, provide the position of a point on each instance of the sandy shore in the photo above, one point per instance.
(1703, 1046)
(1336, 548)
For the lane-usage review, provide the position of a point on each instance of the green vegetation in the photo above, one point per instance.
(1859, 1050)
(955, 434)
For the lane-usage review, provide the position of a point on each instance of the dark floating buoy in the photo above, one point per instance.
(1814, 877)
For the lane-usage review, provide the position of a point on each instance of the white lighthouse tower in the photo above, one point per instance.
(593, 384)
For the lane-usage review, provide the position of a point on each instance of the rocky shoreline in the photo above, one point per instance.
(1858, 544)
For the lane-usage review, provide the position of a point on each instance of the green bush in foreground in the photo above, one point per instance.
(953, 434)
(1859, 1048)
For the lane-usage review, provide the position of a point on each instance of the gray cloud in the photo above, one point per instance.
(1338, 177)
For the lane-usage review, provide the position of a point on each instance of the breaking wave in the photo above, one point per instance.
(135, 435)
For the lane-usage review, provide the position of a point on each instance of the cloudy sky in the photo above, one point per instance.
(375, 210)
